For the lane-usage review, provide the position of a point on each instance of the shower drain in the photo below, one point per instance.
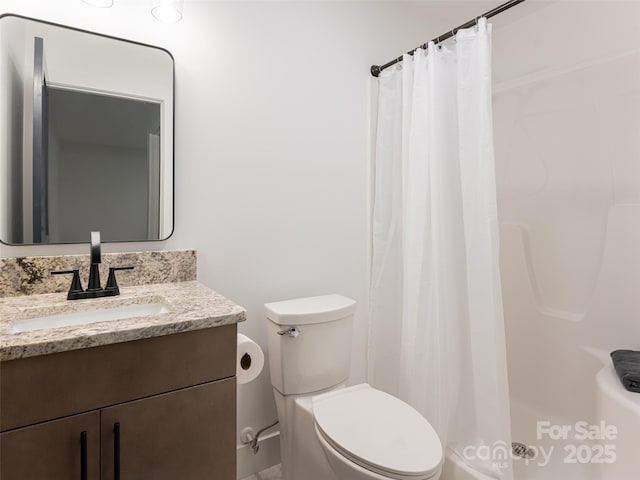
(523, 451)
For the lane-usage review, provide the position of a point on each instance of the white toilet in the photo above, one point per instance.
(329, 431)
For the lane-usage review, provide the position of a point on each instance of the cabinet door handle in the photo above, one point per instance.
(83, 455)
(116, 451)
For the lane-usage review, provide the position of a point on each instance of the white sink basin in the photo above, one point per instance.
(88, 316)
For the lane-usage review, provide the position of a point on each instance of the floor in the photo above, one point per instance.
(271, 473)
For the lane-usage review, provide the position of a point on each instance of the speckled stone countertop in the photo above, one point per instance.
(192, 306)
(32, 275)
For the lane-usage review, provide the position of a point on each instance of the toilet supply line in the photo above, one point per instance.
(248, 439)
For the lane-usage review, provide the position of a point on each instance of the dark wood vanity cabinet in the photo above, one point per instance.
(179, 435)
(160, 408)
(52, 450)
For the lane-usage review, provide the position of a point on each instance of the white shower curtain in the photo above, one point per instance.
(437, 333)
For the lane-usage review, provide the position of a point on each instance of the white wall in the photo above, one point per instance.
(272, 138)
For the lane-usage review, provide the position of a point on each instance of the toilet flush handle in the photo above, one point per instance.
(290, 332)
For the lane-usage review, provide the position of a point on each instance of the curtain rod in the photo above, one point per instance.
(376, 69)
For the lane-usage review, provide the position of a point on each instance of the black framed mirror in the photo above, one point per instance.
(86, 136)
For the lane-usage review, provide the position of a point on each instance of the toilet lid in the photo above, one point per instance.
(378, 431)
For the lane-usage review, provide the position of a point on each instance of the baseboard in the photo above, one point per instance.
(268, 455)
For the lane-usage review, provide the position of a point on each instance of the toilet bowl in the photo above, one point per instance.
(377, 432)
(330, 431)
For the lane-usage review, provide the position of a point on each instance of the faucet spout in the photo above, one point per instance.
(95, 247)
(94, 272)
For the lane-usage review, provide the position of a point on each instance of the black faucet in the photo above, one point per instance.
(94, 290)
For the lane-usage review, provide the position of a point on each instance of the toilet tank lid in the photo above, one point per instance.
(304, 311)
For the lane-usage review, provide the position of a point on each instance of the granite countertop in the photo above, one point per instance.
(192, 306)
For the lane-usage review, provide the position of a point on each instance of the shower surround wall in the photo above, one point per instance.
(568, 174)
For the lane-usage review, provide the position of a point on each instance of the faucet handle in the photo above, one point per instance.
(76, 286)
(112, 283)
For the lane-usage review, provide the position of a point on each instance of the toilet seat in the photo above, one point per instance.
(379, 432)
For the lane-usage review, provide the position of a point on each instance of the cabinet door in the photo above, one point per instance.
(186, 434)
(55, 450)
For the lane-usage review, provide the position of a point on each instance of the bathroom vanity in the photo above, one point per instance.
(145, 397)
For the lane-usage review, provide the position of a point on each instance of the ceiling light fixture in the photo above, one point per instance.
(99, 3)
(167, 11)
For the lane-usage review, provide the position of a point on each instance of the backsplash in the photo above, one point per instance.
(32, 275)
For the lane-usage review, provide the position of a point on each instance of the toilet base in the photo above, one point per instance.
(301, 454)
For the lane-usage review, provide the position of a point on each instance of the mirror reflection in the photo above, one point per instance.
(87, 122)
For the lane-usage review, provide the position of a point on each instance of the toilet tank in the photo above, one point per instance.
(319, 356)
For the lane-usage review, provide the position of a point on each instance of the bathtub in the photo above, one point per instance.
(614, 456)
(456, 469)
(559, 367)
(621, 409)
